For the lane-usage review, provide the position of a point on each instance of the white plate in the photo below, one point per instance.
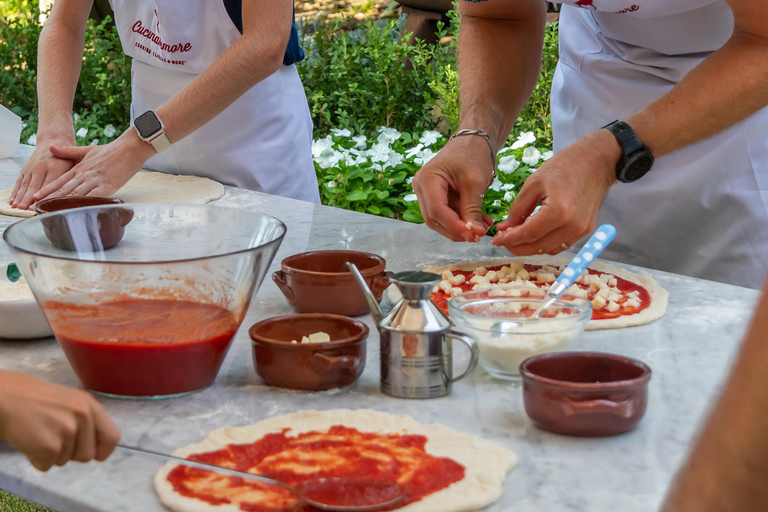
(22, 319)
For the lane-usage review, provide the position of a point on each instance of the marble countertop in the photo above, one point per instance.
(689, 350)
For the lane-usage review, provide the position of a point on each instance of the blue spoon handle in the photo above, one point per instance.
(591, 250)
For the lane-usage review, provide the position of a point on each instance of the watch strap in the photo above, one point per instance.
(631, 146)
(160, 142)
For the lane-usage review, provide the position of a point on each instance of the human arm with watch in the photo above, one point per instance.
(728, 86)
(102, 170)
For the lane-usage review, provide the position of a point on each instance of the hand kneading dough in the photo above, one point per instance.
(486, 464)
(147, 187)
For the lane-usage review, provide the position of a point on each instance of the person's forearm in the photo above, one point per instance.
(500, 50)
(255, 56)
(60, 55)
(728, 467)
(728, 86)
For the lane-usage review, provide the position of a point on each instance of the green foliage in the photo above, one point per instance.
(371, 77)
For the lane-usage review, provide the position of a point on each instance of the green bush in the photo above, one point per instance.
(370, 77)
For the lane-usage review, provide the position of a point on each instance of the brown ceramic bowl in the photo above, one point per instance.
(587, 394)
(319, 281)
(309, 366)
(112, 222)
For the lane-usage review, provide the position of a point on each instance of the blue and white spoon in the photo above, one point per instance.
(591, 250)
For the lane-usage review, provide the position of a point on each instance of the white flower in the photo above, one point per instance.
(524, 139)
(504, 150)
(429, 137)
(496, 185)
(424, 157)
(496, 203)
(388, 135)
(82, 132)
(508, 196)
(341, 133)
(75, 116)
(547, 155)
(508, 186)
(350, 159)
(331, 184)
(320, 145)
(409, 180)
(508, 164)
(32, 140)
(531, 156)
(94, 142)
(109, 130)
(328, 158)
(379, 152)
(415, 150)
(395, 158)
(409, 198)
(359, 142)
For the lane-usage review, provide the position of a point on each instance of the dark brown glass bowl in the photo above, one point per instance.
(587, 394)
(309, 366)
(319, 281)
(111, 222)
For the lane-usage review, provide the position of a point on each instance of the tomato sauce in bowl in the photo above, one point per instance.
(143, 347)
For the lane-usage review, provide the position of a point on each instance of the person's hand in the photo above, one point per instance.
(450, 188)
(53, 424)
(42, 168)
(99, 170)
(570, 186)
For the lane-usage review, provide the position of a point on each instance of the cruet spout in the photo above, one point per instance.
(372, 304)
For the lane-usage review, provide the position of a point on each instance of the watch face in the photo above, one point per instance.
(147, 124)
(637, 167)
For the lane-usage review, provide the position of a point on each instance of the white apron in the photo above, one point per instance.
(262, 141)
(702, 210)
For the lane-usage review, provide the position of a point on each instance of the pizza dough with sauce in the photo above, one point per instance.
(658, 295)
(486, 465)
(147, 187)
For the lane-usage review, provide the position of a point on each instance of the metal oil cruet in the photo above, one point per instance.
(416, 339)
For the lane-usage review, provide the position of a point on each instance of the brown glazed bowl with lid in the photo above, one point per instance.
(586, 394)
(111, 221)
(309, 366)
(319, 281)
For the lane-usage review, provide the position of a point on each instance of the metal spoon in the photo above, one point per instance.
(320, 485)
(591, 250)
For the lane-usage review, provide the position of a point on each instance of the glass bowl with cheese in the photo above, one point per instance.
(500, 321)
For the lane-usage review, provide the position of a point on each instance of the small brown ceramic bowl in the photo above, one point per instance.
(309, 366)
(319, 281)
(587, 394)
(111, 222)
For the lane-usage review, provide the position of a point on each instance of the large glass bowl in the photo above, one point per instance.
(154, 315)
(499, 320)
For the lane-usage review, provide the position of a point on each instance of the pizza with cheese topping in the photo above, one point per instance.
(619, 298)
(435, 467)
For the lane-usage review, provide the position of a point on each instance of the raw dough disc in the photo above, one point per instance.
(486, 464)
(147, 187)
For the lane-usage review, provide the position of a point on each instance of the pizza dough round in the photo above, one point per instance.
(486, 464)
(147, 187)
(659, 296)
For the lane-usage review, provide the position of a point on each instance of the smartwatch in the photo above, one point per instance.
(150, 129)
(636, 159)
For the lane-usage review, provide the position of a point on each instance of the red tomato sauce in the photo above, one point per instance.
(440, 298)
(143, 347)
(342, 454)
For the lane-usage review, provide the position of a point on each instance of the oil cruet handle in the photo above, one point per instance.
(469, 341)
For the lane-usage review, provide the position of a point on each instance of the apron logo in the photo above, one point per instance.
(141, 30)
(586, 4)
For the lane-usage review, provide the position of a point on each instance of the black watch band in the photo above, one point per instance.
(636, 159)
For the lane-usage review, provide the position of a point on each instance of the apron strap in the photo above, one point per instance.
(293, 52)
